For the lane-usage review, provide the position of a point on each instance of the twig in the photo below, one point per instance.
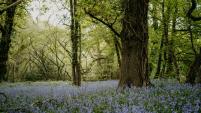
(9, 6)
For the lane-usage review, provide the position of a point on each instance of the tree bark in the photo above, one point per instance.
(195, 66)
(174, 58)
(134, 37)
(190, 11)
(75, 38)
(164, 41)
(167, 54)
(194, 69)
(6, 39)
(158, 69)
(191, 37)
(154, 18)
(117, 49)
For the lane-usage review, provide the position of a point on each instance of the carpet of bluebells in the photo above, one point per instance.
(167, 96)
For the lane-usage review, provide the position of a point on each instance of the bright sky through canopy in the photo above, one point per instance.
(53, 11)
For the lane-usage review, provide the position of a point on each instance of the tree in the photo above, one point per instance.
(166, 55)
(76, 42)
(164, 40)
(108, 13)
(172, 57)
(6, 32)
(190, 11)
(134, 38)
(194, 69)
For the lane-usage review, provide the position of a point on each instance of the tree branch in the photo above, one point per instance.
(103, 22)
(190, 11)
(63, 46)
(9, 6)
(3, 3)
(109, 25)
(1, 28)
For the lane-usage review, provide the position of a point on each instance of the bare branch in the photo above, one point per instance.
(9, 6)
(114, 20)
(63, 46)
(110, 26)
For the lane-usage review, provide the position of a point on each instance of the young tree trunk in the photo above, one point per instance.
(176, 67)
(75, 38)
(6, 39)
(167, 64)
(162, 51)
(79, 53)
(191, 37)
(117, 49)
(172, 55)
(134, 62)
(158, 69)
(155, 24)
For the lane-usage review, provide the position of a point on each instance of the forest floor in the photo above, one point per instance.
(167, 96)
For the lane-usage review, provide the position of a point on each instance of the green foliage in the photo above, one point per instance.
(100, 108)
(42, 51)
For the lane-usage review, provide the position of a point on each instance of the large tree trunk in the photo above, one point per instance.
(6, 39)
(134, 63)
(190, 11)
(75, 38)
(195, 66)
(194, 69)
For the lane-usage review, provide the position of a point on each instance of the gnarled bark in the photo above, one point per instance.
(134, 37)
(194, 69)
